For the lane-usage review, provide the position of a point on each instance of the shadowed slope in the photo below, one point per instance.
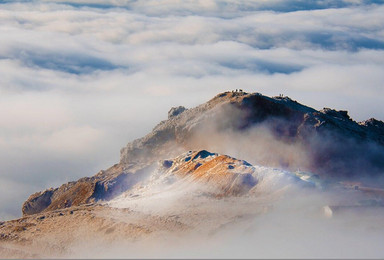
(275, 132)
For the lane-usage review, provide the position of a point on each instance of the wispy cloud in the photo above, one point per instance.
(79, 79)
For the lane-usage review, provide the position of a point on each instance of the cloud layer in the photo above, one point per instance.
(79, 79)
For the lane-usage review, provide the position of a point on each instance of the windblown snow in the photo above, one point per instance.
(200, 175)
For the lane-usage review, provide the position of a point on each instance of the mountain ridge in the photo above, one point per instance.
(236, 159)
(331, 140)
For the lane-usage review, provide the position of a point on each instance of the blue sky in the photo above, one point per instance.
(79, 79)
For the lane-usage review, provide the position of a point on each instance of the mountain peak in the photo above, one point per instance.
(270, 131)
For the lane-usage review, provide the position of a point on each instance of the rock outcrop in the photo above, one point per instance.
(174, 111)
(333, 141)
(336, 146)
(226, 175)
(222, 175)
(103, 186)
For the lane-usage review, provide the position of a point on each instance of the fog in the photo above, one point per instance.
(285, 221)
(80, 79)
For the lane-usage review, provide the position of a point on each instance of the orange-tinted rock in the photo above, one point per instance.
(228, 175)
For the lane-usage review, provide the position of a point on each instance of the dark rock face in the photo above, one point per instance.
(230, 111)
(342, 114)
(375, 129)
(336, 146)
(37, 202)
(202, 154)
(174, 111)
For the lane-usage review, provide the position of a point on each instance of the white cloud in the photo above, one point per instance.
(79, 79)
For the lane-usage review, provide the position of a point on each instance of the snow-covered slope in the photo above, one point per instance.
(199, 204)
(197, 174)
(276, 132)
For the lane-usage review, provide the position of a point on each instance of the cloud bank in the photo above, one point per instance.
(79, 79)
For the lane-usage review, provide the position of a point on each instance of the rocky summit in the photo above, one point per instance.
(328, 142)
(331, 139)
(181, 177)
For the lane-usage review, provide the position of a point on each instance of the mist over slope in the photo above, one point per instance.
(76, 76)
(297, 176)
(275, 132)
(207, 205)
(81, 78)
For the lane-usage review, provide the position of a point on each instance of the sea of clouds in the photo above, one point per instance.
(80, 79)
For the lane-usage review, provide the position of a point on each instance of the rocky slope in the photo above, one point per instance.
(104, 185)
(332, 139)
(202, 173)
(195, 198)
(177, 182)
(185, 195)
(277, 132)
